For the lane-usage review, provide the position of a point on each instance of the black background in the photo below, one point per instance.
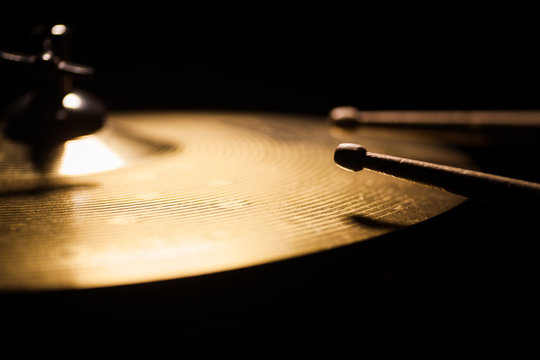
(293, 57)
(463, 282)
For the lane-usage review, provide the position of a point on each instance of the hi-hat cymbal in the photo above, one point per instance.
(157, 196)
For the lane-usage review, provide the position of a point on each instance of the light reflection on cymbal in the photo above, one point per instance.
(87, 155)
(112, 147)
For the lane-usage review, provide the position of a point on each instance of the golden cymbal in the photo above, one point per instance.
(156, 196)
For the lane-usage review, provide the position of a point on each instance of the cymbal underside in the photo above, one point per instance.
(193, 193)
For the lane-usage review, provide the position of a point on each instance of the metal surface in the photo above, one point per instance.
(192, 194)
(52, 111)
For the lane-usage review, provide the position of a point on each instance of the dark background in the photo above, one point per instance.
(460, 282)
(293, 57)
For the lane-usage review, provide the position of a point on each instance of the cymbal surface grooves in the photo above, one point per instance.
(226, 191)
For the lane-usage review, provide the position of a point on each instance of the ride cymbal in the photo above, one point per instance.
(155, 196)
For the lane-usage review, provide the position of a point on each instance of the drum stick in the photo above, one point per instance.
(472, 184)
(350, 117)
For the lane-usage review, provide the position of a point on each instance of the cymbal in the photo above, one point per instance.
(163, 195)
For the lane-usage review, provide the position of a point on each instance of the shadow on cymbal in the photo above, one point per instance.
(375, 223)
(44, 189)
